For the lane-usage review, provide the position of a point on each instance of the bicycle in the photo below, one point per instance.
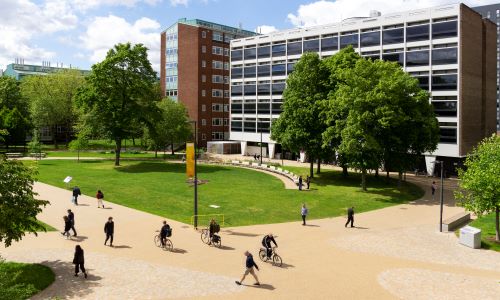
(275, 258)
(205, 238)
(169, 246)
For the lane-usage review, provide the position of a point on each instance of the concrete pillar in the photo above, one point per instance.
(302, 156)
(429, 164)
(243, 148)
(271, 148)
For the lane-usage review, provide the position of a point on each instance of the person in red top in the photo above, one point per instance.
(99, 197)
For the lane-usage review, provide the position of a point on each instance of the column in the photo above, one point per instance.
(271, 148)
(429, 163)
(243, 148)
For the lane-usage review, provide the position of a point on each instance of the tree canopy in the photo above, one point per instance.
(479, 185)
(120, 93)
(14, 114)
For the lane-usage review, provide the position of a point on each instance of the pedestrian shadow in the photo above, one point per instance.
(122, 247)
(78, 238)
(67, 286)
(226, 248)
(107, 207)
(179, 251)
(312, 225)
(359, 227)
(263, 286)
(230, 232)
(286, 266)
(82, 204)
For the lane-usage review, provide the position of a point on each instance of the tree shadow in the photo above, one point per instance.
(165, 167)
(66, 285)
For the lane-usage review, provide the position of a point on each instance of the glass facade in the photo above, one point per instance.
(330, 44)
(393, 36)
(294, 48)
(351, 39)
(444, 56)
(444, 30)
(171, 52)
(444, 82)
(417, 33)
(370, 39)
(311, 46)
(417, 58)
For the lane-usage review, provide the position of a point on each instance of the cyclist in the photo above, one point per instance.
(266, 242)
(164, 232)
(213, 228)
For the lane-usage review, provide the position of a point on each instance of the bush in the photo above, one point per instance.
(21, 281)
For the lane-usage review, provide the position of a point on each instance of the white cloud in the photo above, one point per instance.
(22, 20)
(91, 4)
(265, 29)
(179, 2)
(104, 32)
(323, 12)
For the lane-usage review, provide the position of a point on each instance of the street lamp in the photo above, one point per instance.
(195, 178)
(441, 197)
(260, 146)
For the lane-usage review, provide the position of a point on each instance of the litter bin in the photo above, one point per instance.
(470, 237)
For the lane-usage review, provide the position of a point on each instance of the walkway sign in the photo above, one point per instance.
(190, 160)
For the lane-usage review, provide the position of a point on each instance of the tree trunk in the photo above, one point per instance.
(118, 149)
(400, 178)
(497, 225)
(133, 141)
(363, 179)
(311, 168)
(376, 172)
(318, 169)
(156, 152)
(54, 134)
(172, 148)
(344, 171)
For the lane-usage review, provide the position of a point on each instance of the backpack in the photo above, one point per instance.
(216, 227)
(169, 232)
(264, 241)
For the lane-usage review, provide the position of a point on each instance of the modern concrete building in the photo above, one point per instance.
(492, 12)
(19, 70)
(195, 71)
(451, 49)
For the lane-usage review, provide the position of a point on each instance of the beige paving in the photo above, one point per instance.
(317, 262)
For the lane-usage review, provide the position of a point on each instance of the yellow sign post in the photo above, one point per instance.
(190, 160)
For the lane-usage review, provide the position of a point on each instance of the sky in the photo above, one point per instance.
(80, 32)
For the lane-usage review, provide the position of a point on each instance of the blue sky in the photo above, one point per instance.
(79, 32)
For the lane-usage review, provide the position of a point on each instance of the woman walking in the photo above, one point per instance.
(67, 227)
(304, 211)
(79, 261)
(99, 197)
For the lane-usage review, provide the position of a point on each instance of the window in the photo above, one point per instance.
(294, 48)
(203, 63)
(249, 72)
(236, 108)
(393, 56)
(217, 93)
(370, 39)
(203, 93)
(263, 89)
(203, 136)
(329, 44)
(445, 108)
(217, 107)
(226, 52)
(217, 79)
(217, 122)
(444, 30)
(226, 79)
(417, 33)
(350, 39)
(279, 50)
(236, 90)
(249, 125)
(217, 36)
(217, 50)
(171, 51)
(203, 122)
(226, 109)
(444, 56)
(236, 55)
(236, 124)
(444, 82)
(448, 135)
(236, 73)
(311, 46)
(423, 82)
(264, 70)
(263, 52)
(393, 36)
(278, 70)
(264, 108)
(227, 38)
(263, 125)
(226, 66)
(217, 136)
(203, 107)
(276, 108)
(203, 34)
(249, 108)
(289, 67)
(250, 53)
(203, 78)
(249, 90)
(217, 64)
(417, 58)
(226, 120)
(226, 93)
(278, 88)
(203, 49)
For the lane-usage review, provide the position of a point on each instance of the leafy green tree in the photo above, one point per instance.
(14, 114)
(35, 146)
(120, 92)
(51, 99)
(18, 206)
(173, 126)
(479, 185)
(299, 126)
(82, 140)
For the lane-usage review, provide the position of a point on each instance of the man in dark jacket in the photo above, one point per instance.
(109, 229)
(71, 217)
(164, 231)
(249, 264)
(76, 193)
(79, 261)
(266, 242)
(350, 216)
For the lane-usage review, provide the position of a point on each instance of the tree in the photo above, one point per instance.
(299, 126)
(14, 114)
(51, 99)
(18, 206)
(479, 185)
(173, 126)
(119, 93)
(82, 140)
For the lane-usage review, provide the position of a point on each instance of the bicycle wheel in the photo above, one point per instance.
(168, 245)
(205, 236)
(277, 260)
(217, 243)
(263, 255)
(157, 240)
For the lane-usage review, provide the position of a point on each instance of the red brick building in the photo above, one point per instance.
(195, 67)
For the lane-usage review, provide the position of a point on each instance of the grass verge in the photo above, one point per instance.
(487, 226)
(21, 281)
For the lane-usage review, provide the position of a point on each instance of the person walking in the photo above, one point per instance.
(249, 264)
(308, 181)
(109, 230)
(76, 193)
(67, 227)
(433, 188)
(79, 261)
(300, 183)
(71, 217)
(350, 216)
(99, 196)
(304, 212)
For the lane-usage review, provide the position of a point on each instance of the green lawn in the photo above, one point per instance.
(487, 226)
(245, 197)
(21, 281)
(110, 155)
(46, 226)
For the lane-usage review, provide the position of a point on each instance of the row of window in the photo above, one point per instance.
(171, 79)
(280, 69)
(171, 51)
(250, 125)
(216, 79)
(216, 64)
(259, 108)
(220, 51)
(216, 107)
(260, 89)
(216, 93)
(365, 39)
(218, 36)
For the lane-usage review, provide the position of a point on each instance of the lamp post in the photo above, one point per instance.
(195, 177)
(441, 196)
(261, 146)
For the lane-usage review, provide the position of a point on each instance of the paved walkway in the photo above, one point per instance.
(396, 252)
